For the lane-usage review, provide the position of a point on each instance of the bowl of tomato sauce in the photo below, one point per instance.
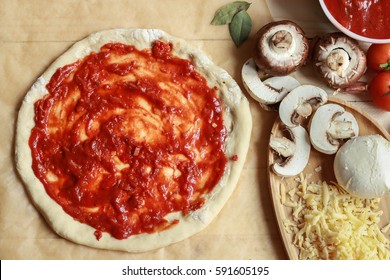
(363, 20)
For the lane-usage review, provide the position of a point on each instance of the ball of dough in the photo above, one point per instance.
(361, 166)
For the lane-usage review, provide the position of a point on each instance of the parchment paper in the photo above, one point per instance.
(34, 33)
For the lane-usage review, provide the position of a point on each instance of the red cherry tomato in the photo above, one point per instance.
(379, 90)
(378, 57)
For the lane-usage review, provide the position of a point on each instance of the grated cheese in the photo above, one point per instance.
(386, 228)
(328, 223)
(283, 193)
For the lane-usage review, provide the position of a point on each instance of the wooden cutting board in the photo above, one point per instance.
(319, 168)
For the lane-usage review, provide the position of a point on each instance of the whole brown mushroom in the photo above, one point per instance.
(280, 48)
(339, 59)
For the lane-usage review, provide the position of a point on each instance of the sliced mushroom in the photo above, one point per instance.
(329, 125)
(339, 60)
(301, 102)
(272, 90)
(281, 48)
(296, 151)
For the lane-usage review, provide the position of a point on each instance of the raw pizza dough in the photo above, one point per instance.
(237, 120)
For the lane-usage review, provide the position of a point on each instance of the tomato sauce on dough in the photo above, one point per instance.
(369, 18)
(125, 137)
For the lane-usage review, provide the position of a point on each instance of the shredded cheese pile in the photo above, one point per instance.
(329, 224)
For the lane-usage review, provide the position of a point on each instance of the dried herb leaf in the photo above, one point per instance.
(240, 27)
(225, 14)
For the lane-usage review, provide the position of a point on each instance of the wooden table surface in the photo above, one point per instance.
(34, 33)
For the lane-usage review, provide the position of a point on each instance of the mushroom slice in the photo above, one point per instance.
(339, 60)
(281, 48)
(329, 125)
(272, 90)
(298, 152)
(301, 101)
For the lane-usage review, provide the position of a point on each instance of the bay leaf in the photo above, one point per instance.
(225, 14)
(240, 27)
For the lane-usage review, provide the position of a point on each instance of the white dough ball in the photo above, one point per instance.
(362, 166)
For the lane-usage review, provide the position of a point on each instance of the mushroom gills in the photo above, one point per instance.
(330, 125)
(272, 90)
(297, 151)
(339, 59)
(301, 102)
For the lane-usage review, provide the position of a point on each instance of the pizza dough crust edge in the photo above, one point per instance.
(237, 119)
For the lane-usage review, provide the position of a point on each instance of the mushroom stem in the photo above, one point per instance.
(281, 41)
(357, 87)
(283, 146)
(341, 129)
(338, 61)
(304, 110)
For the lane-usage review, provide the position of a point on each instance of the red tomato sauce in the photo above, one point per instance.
(125, 137)
(369, 18)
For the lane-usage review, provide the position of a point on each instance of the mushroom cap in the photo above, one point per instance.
(272, 90)
(298, 97)
(321, 124)
(347, 73)
(298, 161)
(361, 166)
(280, 64)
